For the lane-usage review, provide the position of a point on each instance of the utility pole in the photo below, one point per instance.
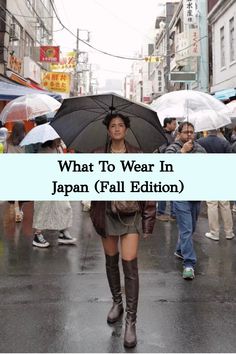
(77, 63)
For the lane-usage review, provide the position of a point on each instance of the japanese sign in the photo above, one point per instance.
(190, 8)
(57, 82)
(15, 63)
(187, 44)
(67, 62)
(49, 54)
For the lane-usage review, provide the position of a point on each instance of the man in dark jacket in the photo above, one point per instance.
(186, 211)
(214, 144)
(169, 126)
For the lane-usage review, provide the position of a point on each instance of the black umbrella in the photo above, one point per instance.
(79, 122)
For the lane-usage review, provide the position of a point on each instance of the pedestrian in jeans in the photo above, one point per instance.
(186, 211)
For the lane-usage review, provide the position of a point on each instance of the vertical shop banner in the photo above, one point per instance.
(57, 82)
(50, 54)
(190, 9)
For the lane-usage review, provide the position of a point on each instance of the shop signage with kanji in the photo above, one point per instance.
(67, 62)
(56, 82)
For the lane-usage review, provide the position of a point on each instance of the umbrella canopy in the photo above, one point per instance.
(28, 107)
(232, 107)
(40, 134)
(79, 122)
(201, 109)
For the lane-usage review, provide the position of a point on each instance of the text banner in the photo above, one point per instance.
(117, 177)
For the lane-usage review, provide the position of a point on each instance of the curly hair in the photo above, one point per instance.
(110, 116)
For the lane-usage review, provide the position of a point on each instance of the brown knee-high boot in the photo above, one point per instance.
(131, 291)
(113, 276)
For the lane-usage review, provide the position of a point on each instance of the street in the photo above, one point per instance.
(57, 299)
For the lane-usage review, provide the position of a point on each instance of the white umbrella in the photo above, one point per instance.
(232, 107)
(40, 134)
(28, 107)
(201, 109)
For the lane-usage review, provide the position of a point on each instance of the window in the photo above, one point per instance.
(29, 45)
(231, 40)
(222, 46)
(15, 38)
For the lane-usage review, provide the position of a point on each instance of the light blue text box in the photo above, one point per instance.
(107, 177)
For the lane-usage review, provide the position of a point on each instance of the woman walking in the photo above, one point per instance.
(115, 227)
(52, 215)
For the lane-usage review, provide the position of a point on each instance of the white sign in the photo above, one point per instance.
(32, 70)
(190, 8)
(187, 44)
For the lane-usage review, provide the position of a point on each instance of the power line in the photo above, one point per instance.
(88, 44)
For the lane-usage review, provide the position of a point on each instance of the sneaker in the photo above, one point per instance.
(162, 217)
(39, 241)
(211, 236)
(65, 238)
(188, 273)
(178, 255)
(230, 236)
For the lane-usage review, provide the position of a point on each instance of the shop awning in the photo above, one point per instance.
(10, 91)
(225, 94)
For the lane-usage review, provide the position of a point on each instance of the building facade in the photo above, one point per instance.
(222, 20)
(25, 25)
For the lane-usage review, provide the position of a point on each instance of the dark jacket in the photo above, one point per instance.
(98, 208)
(214, 144)
(170, 136)
(233, 146)
(178, 144)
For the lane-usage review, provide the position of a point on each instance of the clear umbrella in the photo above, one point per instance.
(201, 109)
(40, 134)
(28, 107)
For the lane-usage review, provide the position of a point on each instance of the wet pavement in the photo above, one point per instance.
(57, 299)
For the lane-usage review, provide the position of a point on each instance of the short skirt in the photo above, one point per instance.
(119, 225)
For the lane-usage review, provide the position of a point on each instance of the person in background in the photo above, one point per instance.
(52, 215)
(234, 207)
(187, 212)
(216, 144)
(33, 148)
(3, 139)
(213, 209)
(169, 126)
(124, 229)
(13, 146)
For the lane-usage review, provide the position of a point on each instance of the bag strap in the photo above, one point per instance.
(125, 224)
